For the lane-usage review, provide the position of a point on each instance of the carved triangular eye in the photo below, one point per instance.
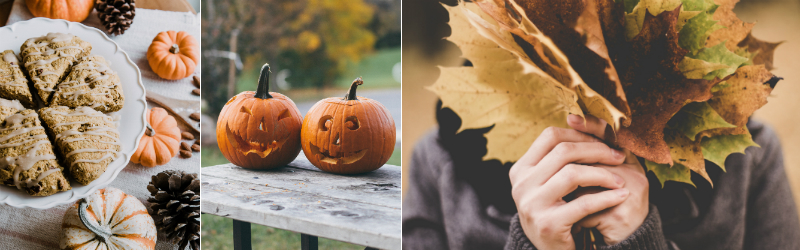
(284, 114)
(246, 110)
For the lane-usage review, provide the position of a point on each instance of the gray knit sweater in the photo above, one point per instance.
(456, 201)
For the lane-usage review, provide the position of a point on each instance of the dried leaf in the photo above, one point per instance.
(716, 149)
(762, 50)
(686, 152)
(697, 69)
(501, 89)
(697, 117)
(747, 91)
(721, 55)
(665, 172)
(735, 29)
(655, 86)
(694, 34)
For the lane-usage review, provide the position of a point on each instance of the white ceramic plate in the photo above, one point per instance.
(132, 124)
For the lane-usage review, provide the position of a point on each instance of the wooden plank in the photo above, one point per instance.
(360, 209)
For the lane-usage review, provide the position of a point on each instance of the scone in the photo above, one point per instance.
(87, 139)
(27, 159)
(90, 83)
(47, 60)
(13, 84)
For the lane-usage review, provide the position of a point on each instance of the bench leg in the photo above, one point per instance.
(241, 235)
(309, 242)
(370, 248)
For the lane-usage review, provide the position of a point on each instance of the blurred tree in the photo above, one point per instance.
(316, 38)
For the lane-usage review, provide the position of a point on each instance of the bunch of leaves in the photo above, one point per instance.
(676, 80)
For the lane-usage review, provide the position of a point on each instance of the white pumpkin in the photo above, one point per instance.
(108, 219)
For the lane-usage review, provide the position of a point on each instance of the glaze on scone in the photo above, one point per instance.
(47, 59)
(13, 83)
(87, 139)
(90, 83)
(27, 159)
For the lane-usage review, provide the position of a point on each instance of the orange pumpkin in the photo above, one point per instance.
(173, 55)
(70, 10)
(108, 219)
(348, 135)
(259, 130)
(160, 142)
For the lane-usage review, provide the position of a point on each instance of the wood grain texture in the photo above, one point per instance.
(360, 209)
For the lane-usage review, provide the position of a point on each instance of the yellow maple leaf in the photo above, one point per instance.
(501, 89)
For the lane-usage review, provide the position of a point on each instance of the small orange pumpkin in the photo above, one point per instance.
(160, 142)
(70, 10)
(173, 55)
(259, 130)
(108, 219)
(348, 135)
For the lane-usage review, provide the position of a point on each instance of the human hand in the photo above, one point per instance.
(551, 169)
(618, 222)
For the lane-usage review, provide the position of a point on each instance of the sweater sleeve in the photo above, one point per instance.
(422, 213)
(647, 237)
(772, 221)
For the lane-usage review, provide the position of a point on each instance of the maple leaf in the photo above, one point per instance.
(698, 69)
(665, 172)
(578, 29)
(763, 50)
(716, 149)
(720, 55)
(655, 87)
(745, 92)
(735, 29)
(697, 117)
(502, 88)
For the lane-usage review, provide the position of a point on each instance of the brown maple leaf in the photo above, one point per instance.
(735, 29)
(744, 93)
(655, 87)
(764, 50)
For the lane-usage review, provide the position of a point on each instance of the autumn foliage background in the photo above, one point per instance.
(424, 49)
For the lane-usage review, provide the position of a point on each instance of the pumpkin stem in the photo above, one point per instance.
(174, 49)
(150, 131)
(263, 83)
(351, 95)
(103, 233)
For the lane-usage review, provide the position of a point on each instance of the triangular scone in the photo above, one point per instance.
(27, 159)
(90, 83)
(87, 139)
(47, 59)
(13, 84)
(8, 108)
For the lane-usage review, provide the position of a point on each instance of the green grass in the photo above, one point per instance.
(217, 232)
(375, 69)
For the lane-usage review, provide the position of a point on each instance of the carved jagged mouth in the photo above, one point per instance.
(246, 147)
(324, 156)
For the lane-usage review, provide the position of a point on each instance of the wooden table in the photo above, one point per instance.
(168, 5)
(360, 209)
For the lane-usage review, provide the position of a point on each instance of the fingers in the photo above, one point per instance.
(592, 125)
(546, 141)
(583, 206)
(582, 153)
(573, 176)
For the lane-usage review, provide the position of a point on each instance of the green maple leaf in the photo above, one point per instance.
(717, 148)
(697, 69)
(664, 172)
(721, 55)
(693, 35)
(697, 117)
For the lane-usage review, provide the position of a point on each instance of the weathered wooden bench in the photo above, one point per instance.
(360, 209)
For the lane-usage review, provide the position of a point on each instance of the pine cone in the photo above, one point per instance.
(116, 15)
(175, 206)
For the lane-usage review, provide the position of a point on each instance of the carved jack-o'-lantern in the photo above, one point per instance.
(259, 130)
(348, 135)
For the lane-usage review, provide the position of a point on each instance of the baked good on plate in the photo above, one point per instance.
(47, 59)
(13, 84)
(90, 83)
